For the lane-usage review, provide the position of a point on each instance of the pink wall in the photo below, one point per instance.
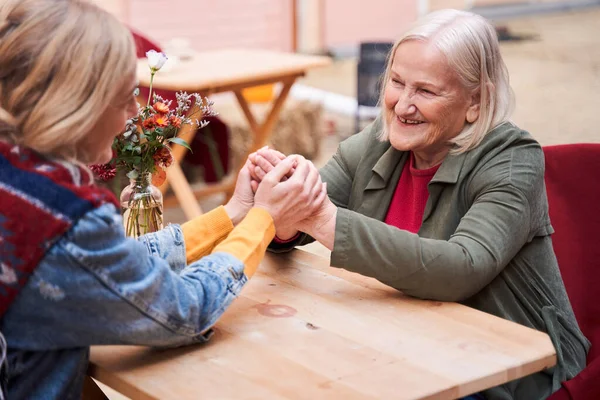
(214, 24)
(348, 22)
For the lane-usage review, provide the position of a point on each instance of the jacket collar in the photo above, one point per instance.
(392, 159)
(450, 169)
(385, 167)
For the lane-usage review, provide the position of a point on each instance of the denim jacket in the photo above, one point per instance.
(98, 287)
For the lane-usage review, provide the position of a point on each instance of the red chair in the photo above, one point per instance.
(573, 186)
(214, 136)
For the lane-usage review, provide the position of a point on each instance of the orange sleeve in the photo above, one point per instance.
(249, 240)
(203, 233)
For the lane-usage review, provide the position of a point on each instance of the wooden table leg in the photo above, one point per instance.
(262, 132)
(183, 191)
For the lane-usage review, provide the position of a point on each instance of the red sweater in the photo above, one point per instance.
(408, 204)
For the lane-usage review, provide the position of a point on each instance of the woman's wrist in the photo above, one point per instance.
(235, 211)
(286, 233)
(322, 226)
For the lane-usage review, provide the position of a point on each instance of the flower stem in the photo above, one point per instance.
(143, 216)
(150, 89)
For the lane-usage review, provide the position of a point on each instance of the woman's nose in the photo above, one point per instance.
(405, 105)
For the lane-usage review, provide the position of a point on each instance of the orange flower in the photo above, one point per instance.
(159, 177)
(161, 120)
(161, 107)
(176, 122)
(148, 123)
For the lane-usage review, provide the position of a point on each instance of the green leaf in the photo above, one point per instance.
(180, 142)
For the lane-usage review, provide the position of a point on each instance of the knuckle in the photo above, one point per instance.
(304, 196)
(269, 180)
(295, 185)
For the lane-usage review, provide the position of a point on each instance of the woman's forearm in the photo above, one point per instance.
(203, 233)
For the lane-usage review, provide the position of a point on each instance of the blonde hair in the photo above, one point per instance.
(62, 62)
(470, 44)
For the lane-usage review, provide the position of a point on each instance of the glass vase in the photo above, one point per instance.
(142, 206)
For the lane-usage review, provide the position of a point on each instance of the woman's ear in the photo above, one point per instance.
(473, 113)
(473, 110)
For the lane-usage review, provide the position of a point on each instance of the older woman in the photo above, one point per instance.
(443, 198)
(69, 278)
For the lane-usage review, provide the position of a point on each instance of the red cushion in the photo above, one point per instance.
(586, 385)
(573, 185)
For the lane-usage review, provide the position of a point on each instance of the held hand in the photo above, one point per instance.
(263, 162)
(243, 196)
(295, 199)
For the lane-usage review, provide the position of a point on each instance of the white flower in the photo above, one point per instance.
(156, 60)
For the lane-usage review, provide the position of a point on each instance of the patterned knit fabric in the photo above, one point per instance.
(40, 200)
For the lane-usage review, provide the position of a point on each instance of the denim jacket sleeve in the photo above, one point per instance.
(168, 244)
(95, 286)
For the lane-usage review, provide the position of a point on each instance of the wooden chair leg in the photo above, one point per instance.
(91, 391)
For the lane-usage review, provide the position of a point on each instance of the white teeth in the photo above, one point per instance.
(409, 121)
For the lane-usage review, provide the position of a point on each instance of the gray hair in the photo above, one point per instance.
(470, 44)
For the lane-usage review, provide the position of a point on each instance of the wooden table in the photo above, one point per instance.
(303, 330)
(219, 71)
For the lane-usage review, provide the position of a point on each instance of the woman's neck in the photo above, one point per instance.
(425, 160)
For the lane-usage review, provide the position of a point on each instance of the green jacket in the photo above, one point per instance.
(484, 242)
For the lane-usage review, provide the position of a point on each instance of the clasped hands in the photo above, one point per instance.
(290, 190)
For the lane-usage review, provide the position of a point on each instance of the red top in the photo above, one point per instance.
(408, 204)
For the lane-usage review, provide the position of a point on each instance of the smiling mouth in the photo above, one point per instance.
(409, 121)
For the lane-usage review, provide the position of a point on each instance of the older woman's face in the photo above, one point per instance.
(425, 102)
